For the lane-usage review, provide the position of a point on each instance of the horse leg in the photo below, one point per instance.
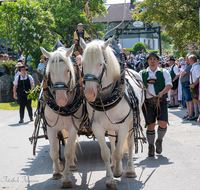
(72, 164)
(67, 182)
(118, 154)
(105, 154)
(130, 172)
(65, 136)
(58, 166)
(112, 144)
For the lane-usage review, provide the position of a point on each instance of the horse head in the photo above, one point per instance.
(98, 66)
(60, 74)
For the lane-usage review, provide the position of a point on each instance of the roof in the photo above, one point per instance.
(116, 13)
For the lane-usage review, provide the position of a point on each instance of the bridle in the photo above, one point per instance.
(58, 85)
(93, 78)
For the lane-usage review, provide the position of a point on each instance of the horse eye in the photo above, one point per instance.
(100, 64)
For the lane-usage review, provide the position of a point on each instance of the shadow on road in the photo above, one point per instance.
(19, 124)
(90, 172)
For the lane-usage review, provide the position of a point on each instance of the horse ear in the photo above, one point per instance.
(82, 43)
(107, 42)
(44, 52)
(70, 50)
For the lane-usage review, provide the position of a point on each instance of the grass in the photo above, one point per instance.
(14, 105)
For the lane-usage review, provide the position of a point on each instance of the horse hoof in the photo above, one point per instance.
(111, 186)
(66, 185)
(57, 176)
(118, 175)
(131, 174)
(73, 168)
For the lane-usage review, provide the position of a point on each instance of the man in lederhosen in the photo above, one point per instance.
(22, 84)
(158, 83)
(80, 33)
(175, 76)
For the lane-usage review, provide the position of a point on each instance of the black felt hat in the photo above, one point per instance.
(23, 67)
(153, 54)
(172, 58)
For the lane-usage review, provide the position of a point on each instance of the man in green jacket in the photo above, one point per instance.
(157, 82)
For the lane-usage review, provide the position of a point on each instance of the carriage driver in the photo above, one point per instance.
(80, 33)
(158, 82)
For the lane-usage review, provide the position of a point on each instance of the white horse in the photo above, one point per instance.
(62, 74)
(93, 65)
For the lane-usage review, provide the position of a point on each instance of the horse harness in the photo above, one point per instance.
(49, 93)
(116, 96)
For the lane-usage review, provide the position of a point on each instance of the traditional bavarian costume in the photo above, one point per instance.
(83, 34)
(174, 72)
(194, 75)
(155, 82)
(23, 86)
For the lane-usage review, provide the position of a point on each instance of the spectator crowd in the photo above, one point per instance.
(185, 74)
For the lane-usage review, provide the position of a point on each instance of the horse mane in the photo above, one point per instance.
(94, 53)
(55, 57)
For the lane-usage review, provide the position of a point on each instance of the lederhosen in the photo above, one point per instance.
(175, 83)
(149, 108)
(23, 87)
(194, 91)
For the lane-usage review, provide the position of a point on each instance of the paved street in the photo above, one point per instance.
(176, 169)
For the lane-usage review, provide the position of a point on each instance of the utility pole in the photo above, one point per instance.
(159, 41)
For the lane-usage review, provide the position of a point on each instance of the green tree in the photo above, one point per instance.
(8, 17)
(68, 13)
(138, 47)
(165, 41)
(33, 27)
(179, 18)
(25, 25)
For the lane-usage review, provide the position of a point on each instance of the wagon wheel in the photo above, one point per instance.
(36, 131)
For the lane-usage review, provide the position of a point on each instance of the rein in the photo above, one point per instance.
(145, 89)
(50, 99)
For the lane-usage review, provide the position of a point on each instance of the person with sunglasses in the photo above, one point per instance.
(157, 82)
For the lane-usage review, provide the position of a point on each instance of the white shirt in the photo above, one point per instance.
(176, 71)
(152, 74)
(195, 72)
(17, 78)
(16, 74)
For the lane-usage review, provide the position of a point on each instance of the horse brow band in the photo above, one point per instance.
(59, 60)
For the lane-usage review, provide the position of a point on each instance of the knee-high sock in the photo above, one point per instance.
(196, 111)
(171, 99)
(161, 132)
(199, 108)
(151, 136)
(176, 99)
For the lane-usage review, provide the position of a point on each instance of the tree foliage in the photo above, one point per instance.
(68, 13)
(25, 25)
(138, 47)
(179, 18)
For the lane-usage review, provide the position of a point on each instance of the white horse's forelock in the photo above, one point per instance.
(55, 57)
(94, 54)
